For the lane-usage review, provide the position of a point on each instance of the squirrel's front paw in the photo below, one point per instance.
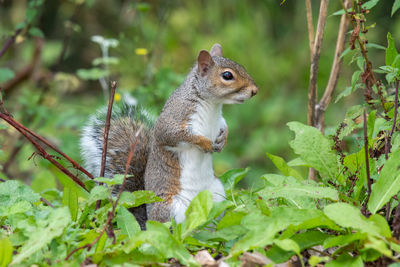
(220, 141)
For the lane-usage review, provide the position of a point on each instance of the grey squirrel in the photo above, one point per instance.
(173, 156)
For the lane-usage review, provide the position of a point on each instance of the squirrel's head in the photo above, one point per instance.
(224, 78)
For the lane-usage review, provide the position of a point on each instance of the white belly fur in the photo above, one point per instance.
(197, 173)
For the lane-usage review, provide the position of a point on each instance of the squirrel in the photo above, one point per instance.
(173, 155)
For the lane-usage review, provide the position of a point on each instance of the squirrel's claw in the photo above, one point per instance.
(221, 140)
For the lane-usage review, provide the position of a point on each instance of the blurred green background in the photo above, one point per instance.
(148, 47)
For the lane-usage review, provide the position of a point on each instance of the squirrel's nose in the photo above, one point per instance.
(254, 90)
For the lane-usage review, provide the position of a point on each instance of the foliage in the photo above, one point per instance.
(348, 217)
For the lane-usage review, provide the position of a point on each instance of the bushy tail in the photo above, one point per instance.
(125, 122)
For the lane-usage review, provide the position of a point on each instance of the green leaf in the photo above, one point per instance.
(345, 260)
(137, 198)
(13, 191)
(315, 149)
(391, 51)
(159, 236)
(370, 4)
(388, 183)
(70, 199)
(92, 74)
(230, 178)
(98, 193)
(288, 245)
(281, 164)
(127, 222)
(303, 240)
(36, 32)
(343, 240)
(50, 227)
(231, 218)
(6, 252)
(116, 180)
(105, 61)
(197, 212)
(291, 191)
(18, 207)
(6, 74)
(395, 7)
(347, 215)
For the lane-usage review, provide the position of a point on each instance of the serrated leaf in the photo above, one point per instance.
(6, 74)
(50, 227)
(230, 178)
(137, 198)
(127, 222)
(347, 215)
(388, 183)
(159, 236)
(6, 252)
(315, 149)
(197, 212)
(395, 7)
(291, 191)
(13, 191)
(281, 164)
(70, 199)
(98, 193)
(391, 51)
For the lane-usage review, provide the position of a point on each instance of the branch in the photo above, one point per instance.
(335, 70)
(310, 27)
(107, 129)
(26, 132)
(9, 42)
(111, 214)
(312, 87)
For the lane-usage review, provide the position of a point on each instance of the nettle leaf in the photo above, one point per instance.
(391, 51)
(262, 229)
(127, 222)
(388, 183)
(70, 199)
(197, 212)
(13, 191)
(6, 252)
(19, 207)
(6, 74)
(159, 236)
(281, 164)
(291, 191)
(48, 228)
(347, 215)
(98, 193)
(230, 178)
(315, 149)
(137, 198)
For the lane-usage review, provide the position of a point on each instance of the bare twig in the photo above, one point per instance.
(310, 27)
(111, 214)
(335, 70)
(312, 87)
(23, 130)
(107, 129)
(105, 136)
(27, 71)
(9, 42)
(367, 156)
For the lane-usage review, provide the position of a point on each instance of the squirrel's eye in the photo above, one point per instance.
(227, 75)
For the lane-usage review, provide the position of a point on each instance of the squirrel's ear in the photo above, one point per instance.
(216, 50)
(204, 62)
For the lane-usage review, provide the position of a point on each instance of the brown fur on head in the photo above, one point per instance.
(227, 80)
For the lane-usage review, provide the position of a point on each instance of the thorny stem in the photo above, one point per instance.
(9, 42)
(111, 214)
(310, 27)
(396, 105)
